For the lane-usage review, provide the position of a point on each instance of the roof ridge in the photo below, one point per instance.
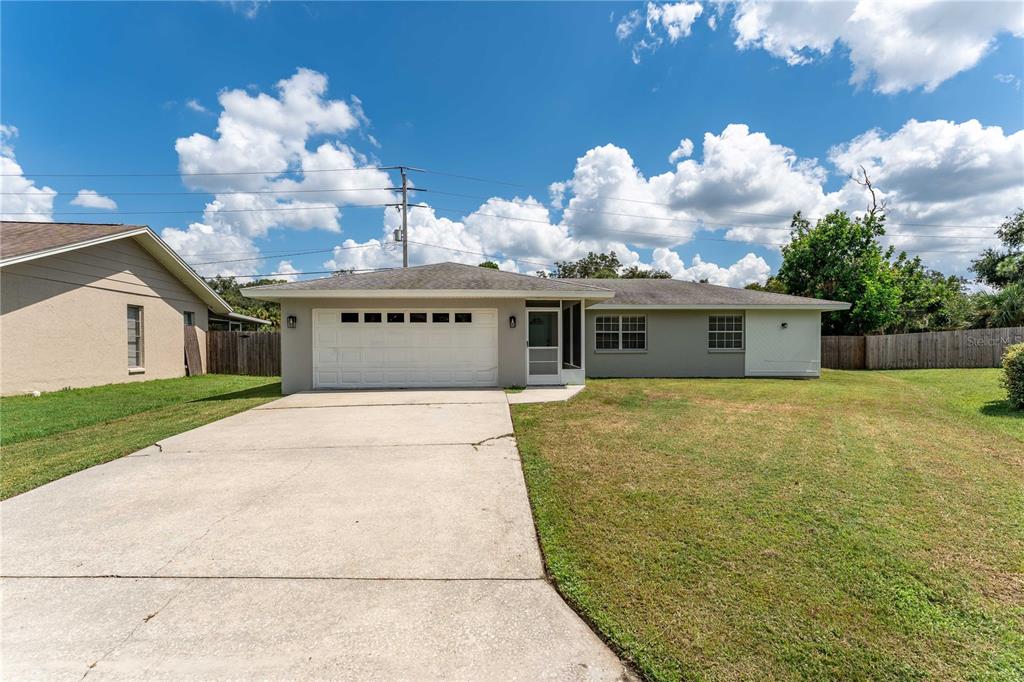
(517, 274)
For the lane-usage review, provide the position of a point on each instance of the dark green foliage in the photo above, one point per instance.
(231, 291)
(604, 266)
(840, 258)
(1013, 375)
(1000, 268)
(490, 264)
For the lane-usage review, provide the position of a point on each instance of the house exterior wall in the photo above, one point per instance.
(297, 344)
(677, 346)
(776, 351)
(63, 319)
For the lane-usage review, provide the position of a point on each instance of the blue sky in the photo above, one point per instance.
(519, 93)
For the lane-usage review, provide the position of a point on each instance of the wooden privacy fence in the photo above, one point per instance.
(252, 353)
(924, 350)
(842, 352)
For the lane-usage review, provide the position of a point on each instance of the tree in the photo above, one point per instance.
(490, 264)
(1000, 268)
(635, 272)
(929, 300)
(840, 259)
(591, 266)
(604, 266)
(229, 289)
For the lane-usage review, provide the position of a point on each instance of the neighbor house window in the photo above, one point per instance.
(135, 356)
(725, 332)
(190, 318)
(620, 332)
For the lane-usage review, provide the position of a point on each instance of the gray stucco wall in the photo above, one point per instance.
(63, 319)
(676, 347)
(297, 344)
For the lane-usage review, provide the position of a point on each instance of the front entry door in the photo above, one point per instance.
(543, 351)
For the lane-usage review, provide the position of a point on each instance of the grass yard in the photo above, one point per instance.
(867, 525)
(62, 432)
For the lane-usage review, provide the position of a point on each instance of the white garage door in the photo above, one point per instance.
(389, 348)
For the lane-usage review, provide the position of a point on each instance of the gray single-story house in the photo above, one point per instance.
(450, 324)
(83, 304)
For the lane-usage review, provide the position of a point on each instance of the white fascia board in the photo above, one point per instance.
(167, 257)
(266, 295)
(72, 247)
(710, 306)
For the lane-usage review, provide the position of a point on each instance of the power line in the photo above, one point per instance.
(474, 178)
(657, 234)
(485, 255)
(295, 253)
(194, 174)
(698, 221)
(203, 210)
(243, 192)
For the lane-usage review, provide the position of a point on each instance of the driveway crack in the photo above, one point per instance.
(490, 438)
(131, 633)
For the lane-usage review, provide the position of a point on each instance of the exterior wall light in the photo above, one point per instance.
(511, 321)
(292, 321)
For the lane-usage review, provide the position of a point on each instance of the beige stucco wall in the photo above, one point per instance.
(677, 346)
(297, 344)
(63, 319)
(790, 351)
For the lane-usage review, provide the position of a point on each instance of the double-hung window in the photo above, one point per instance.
(620, 333)
(725, 332)
(135, 347)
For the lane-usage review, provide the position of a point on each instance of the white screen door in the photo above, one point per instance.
(543, 353)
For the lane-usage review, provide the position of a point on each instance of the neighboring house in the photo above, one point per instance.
(459, 325)
(88, 304)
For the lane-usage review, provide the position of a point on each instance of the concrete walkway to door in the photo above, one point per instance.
(357, 535)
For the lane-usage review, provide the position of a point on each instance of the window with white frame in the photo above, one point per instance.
(135, 348)
(725, 332)
(620, 332)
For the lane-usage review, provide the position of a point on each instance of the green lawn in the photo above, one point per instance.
(868, 525)
(60, 433)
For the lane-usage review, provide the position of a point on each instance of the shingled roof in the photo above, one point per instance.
(27, 241)
(677, 293)
(25, 238)
(439, 277)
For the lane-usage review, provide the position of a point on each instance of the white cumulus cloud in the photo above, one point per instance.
(21, 198)
(750, 268)
(92, 199)
(263, 147)
(896, 46)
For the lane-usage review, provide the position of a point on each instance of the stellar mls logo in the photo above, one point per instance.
(995, 341)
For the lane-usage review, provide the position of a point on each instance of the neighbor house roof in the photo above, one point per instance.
(25, 241)
(446, 280)
(676, 294)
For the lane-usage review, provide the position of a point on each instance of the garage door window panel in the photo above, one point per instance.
(371, 317)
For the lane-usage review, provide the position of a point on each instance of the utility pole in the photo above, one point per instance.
(405, 217)
(402, 234)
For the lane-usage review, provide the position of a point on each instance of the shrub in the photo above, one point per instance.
(1013, 374)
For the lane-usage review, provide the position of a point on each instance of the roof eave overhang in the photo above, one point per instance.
(825, 307)
(156, 248)
(280, 294)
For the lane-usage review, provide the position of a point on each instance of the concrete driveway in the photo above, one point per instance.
(357, 535)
